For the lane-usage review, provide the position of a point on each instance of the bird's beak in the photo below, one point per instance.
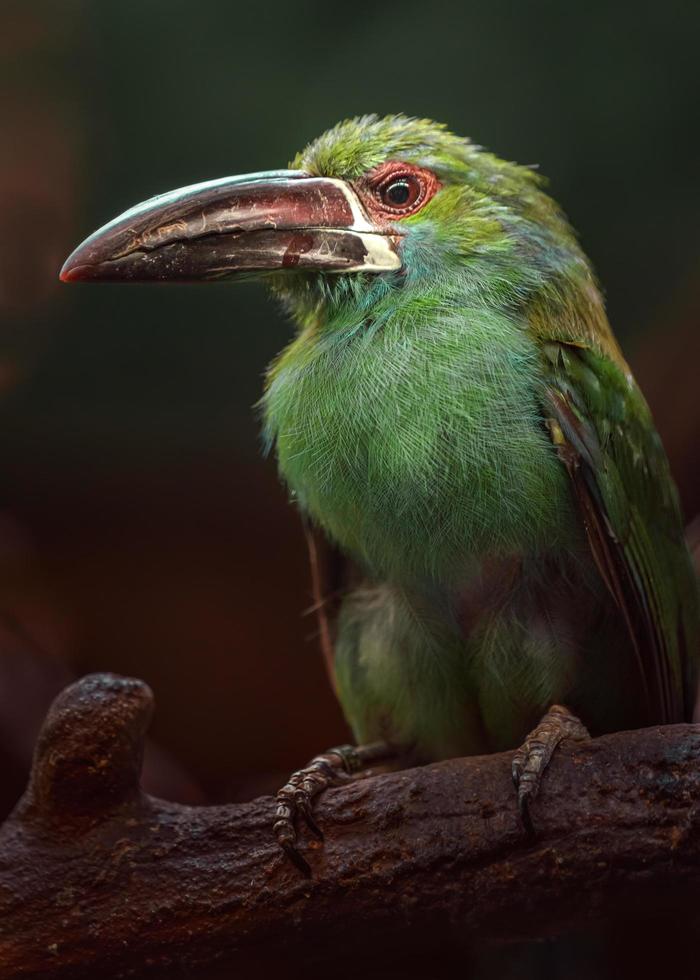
(283, 219)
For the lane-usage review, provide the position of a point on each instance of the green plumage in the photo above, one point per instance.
(467, 431)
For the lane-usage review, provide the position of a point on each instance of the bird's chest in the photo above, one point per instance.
(417, 459)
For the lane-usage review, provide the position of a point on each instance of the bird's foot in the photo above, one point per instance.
(332, 768)
(534, 755)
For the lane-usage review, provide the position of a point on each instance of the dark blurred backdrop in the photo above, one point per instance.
(140, 530)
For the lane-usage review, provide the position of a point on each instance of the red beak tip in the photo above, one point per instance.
(70, 273)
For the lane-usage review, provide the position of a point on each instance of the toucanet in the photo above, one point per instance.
(455, 417)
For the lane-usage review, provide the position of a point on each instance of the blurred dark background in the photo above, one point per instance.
(140, 529)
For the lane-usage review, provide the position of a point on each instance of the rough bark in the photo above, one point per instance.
(100, 880)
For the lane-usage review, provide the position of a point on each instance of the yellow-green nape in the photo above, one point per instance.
(354, 146)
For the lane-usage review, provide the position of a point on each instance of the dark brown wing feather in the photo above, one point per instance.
(604, 435)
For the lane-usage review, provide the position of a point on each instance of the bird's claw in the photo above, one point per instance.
(295, 799)
(534, 755)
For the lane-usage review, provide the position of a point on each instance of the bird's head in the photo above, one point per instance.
(372, 206)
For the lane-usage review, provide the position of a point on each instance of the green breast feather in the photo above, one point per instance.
(417, 441)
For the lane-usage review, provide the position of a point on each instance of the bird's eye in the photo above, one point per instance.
(398, 192)
(397, 189)
(401, 192)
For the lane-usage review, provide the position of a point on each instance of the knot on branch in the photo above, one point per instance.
(89, 753)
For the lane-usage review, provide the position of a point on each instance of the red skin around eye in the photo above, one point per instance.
(367, 188)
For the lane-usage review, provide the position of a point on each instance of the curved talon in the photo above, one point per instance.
(304, 808)
(297, 858)
(526, 794)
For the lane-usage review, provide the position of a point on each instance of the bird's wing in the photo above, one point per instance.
(603, 432)
(323, 565)
(333, 575)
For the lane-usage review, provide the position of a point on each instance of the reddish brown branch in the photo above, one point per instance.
(99, 880)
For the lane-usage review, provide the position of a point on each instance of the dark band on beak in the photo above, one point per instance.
(277, 220)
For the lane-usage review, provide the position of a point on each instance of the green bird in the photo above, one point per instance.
(455, 415)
